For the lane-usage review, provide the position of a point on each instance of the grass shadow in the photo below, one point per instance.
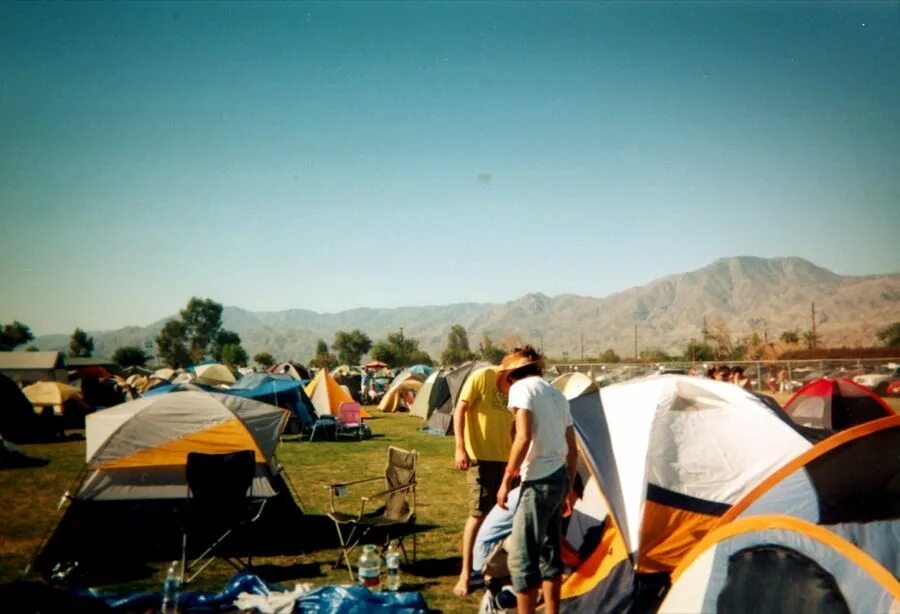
(281, 573)
(433, 568)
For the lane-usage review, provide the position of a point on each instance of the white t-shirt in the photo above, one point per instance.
(551, 415)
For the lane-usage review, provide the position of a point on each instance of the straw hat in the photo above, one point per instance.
(517, 359)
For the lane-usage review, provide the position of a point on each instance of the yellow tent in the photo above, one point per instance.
(401, 395)
(327, 395)
(53, 394)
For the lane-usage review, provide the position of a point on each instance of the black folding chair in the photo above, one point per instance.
(396, 515)
(218, 504)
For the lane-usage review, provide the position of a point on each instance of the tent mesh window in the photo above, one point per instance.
(771, 578)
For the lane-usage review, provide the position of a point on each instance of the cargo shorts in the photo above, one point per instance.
(483, 479)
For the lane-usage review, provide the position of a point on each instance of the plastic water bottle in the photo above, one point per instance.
(392, 565)
(171, 588)
(370, 568)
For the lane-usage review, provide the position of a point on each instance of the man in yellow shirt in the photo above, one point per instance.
(482, 428)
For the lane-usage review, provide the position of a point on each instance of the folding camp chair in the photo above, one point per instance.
(396, 517)
(218, 504)
(349, 421)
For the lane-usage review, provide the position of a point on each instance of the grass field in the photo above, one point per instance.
(30, 497)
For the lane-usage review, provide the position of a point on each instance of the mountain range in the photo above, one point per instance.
(765, 295)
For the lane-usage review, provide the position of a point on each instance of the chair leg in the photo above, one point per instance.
(344, 554)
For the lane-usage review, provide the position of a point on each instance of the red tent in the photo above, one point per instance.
(835, 405)
(375, 365)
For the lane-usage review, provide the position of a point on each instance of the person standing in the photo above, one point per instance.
(544, 456)
(482, 429)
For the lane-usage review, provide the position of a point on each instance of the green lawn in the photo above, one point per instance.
(31, 496)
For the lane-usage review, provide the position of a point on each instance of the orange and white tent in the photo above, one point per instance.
(670, 454)
(327, 395)
(780, 564)
(138, 450)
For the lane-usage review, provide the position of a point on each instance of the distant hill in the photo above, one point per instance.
(746, 293)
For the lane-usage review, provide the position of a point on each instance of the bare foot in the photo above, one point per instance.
(462, 587)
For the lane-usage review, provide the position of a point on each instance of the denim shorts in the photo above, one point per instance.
(535, 542)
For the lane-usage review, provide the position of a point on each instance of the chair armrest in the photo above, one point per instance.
(391, 491)
(352, 482)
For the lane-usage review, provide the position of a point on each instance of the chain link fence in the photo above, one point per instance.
(765, 376)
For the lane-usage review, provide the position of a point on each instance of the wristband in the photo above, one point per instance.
(513, 473)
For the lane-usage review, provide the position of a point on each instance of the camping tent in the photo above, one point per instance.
(280, 390)
(130, 507)
(213, 374)
(444, 395)
(327, 395)
(401, 395)
(139, 449)
(18, 421)
(835, 404)
(575, 384)
(292, 368)
(777, 563)
(849, 483)
(420, 404)
(671, 454)
(58, 399)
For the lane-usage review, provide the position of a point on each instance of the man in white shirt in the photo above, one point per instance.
(544, 455)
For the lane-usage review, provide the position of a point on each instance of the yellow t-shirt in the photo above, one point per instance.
(488, 421)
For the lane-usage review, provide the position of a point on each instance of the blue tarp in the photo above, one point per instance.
(353, 599)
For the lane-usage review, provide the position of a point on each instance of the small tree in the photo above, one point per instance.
(400, 351)
(351, 347)
(80, 344)
(130, 356)
(13, 335)
(202, 319)
(323, 358)
(890, 335)
(654, 355)
(224, 338)
(698, 350)
(812, 339)
(233, 355)
(609, 356)
(170, 345)
(264, 360)
(490, 352)
(457, 350)
(791, 337)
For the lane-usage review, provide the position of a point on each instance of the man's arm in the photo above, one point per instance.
(524, 426)
(459, 435)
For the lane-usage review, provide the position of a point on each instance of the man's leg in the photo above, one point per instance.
(473, 523)
(526, 600)
(551, 590)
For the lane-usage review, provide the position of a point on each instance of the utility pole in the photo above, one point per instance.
(812, 343)
(582, 346)
(705, 332)
(635, 343)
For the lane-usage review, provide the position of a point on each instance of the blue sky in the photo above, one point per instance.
(334, 155)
